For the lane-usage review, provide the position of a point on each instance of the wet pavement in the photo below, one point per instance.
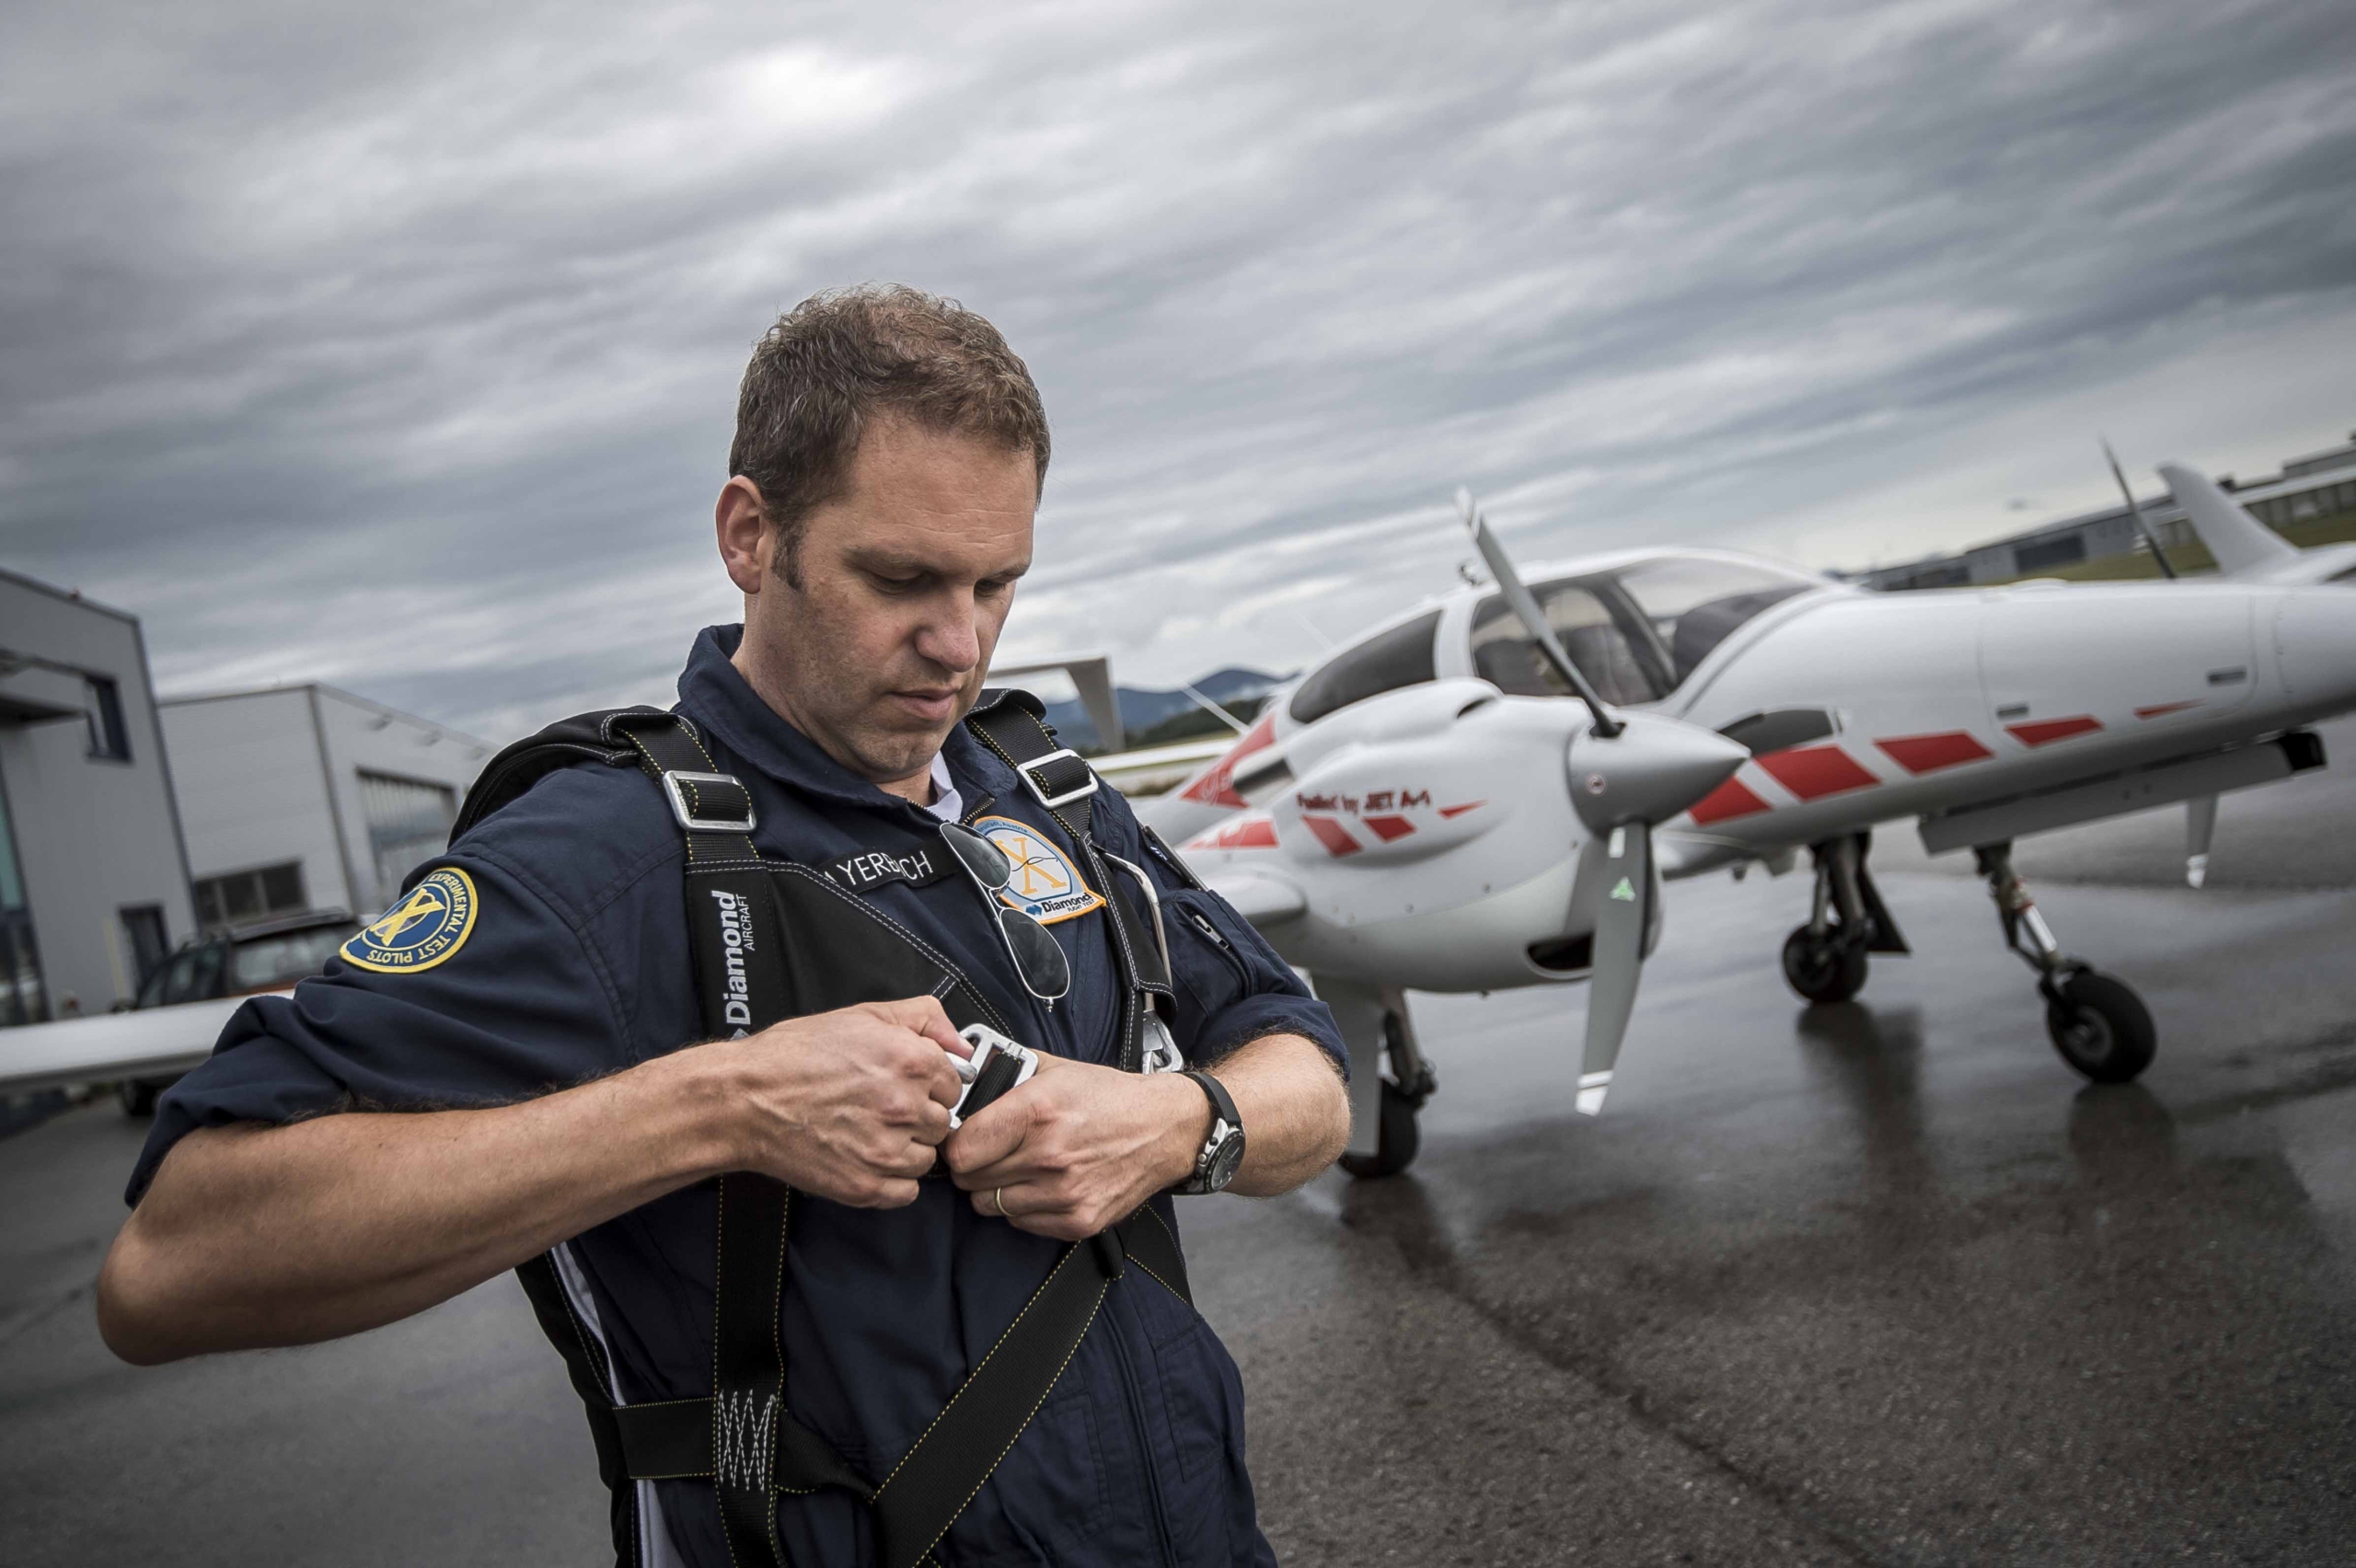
(1880, 1283)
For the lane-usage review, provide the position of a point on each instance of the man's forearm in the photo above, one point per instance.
(252, 1236)
(1296, 1113)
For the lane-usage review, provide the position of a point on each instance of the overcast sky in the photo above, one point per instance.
(396, 346)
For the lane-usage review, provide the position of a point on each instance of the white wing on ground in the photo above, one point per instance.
(1259, 899)
(152, 1042)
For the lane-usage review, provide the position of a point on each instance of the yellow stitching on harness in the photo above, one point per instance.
(1070, 1252)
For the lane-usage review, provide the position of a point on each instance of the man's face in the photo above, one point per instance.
(905, 585)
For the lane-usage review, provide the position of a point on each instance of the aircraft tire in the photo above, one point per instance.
(1396, 1138)
(2101, 1027)
(1823, 972)
(136, 1097)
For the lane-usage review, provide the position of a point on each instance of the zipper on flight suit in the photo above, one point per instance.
(1132, 1396)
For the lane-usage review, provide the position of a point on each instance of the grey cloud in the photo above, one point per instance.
(399, 349)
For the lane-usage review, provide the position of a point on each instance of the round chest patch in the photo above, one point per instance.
(1045, 884)
(429, 924)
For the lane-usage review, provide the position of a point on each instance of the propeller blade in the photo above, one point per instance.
(2142, 524)
(1622, 865)
(1525, 607)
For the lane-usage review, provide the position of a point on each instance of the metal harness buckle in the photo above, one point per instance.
(687, 818)
(1030, 771)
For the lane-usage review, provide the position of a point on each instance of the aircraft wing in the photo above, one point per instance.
(150, 1042)
(1258, 898)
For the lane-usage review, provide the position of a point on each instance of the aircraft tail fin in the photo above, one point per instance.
(2243, 546)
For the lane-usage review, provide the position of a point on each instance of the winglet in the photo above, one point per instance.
(2244, 547)
(1592, 1089)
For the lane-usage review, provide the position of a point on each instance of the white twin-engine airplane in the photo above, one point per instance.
(1426, 810)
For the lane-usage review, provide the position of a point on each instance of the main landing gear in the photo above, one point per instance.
(2098, 1024)
(1404, 1089)
(1825, 959)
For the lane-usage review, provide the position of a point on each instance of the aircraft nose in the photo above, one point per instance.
(1650, 771)
(2314, 640)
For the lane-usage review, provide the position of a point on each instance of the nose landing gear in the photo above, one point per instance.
(2097, 1023)
(1824, 961)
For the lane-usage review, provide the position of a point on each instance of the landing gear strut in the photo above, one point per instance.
(1825, 959)
(2098, 1024)
(1409, 1083)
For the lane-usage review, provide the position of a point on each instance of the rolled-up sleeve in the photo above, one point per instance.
(521, 1007)
(1232, 985)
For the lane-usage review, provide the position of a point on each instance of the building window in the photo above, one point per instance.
(102, 710)
(21, 997)
(2047, 554)
(408, 823)
(241, 897)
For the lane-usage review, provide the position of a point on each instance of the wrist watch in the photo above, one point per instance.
(1223, 1150)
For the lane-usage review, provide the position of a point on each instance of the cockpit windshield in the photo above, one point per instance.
(1694, 603)
(1636, 632)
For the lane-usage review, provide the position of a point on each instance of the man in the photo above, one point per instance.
(505, 1072)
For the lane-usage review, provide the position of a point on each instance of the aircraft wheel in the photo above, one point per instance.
(2101, 1027)
(1395, 1140)
(1823, 971)
(137, 1098)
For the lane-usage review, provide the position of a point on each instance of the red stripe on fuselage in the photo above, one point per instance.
(1729, 800)
(2159, 709)
(1389, 827)
(1814, 772)
(1216, 787)
(1333, 834)
(1252, 832)
(2045, 731)
(1928, 753)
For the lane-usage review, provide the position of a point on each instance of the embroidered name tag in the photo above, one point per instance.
(871, 869)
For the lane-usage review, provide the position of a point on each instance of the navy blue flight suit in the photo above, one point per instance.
(573, 963)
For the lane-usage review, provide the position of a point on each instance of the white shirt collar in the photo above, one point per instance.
(947, 803)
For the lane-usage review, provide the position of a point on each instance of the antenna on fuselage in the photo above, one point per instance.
(1509, 583)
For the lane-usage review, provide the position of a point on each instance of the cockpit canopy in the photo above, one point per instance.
(1636, 631)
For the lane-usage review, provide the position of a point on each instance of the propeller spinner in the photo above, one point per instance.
(1627, 773)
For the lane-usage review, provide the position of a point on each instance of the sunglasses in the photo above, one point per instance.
(1038, 957)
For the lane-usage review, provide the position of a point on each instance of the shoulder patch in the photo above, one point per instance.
(423, 926)
(1046, 885)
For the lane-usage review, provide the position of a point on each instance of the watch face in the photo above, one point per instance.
(1229, 1154)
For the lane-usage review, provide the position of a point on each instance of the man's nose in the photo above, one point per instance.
(949, 637)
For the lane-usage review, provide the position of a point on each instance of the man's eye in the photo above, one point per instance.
(894, 584)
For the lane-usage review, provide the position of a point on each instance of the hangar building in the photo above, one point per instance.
(93, 878)
(303, 797)
(2314, 495)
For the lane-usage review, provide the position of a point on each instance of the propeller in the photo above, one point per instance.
(2142, 524)
(1627, 772)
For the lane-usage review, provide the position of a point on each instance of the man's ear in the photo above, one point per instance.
(745, 535)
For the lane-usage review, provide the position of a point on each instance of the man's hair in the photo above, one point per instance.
(844, 358)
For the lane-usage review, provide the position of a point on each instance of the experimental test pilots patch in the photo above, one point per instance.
(429, 924)
(1045, 883)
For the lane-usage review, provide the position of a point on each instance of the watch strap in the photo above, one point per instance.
(1221, 1102)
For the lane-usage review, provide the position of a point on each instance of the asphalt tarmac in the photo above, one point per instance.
(1880, 1283)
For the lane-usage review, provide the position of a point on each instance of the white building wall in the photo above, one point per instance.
(362, 737)
(273, 776)
(93, 836)
(253, 790)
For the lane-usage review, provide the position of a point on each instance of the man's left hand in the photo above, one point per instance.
(1080, 1146)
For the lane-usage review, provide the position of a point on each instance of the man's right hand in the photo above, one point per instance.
(850, 1105)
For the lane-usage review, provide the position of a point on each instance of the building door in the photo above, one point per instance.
(408, 822)
(144, 939)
